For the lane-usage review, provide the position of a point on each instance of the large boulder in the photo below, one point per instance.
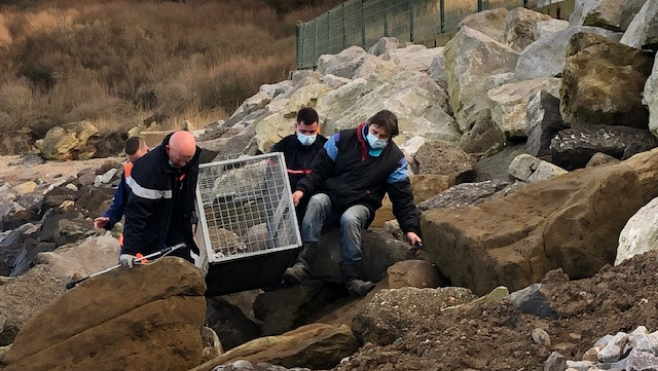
(651, 99)
(68, 142)
(573, 148)
(14, 245)
(590, 92)
(379, 252)
(423, 187)
(317, 346)
(513, 241)
(531, 169)
(489, 22)
(646, 166)
(520, 27)
(642, 32)
(629, 11)
(343, 64)
(597, 13)
(465, 194)
(470, 58)
(22, 298)
(544, 121)
(546, 56)
(419, 103)
(509, 104)
(412, 57)
(230, 323)
(146, 318)
(284, 310)
(447, 159)
(640, 233)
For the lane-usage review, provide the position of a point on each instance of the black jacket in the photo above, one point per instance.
(160, 207)
(351, 176)
(298, 156)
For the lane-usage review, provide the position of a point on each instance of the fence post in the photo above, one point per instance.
(342, 19)
(385, 18)
(298, 44)
(326, 44)
(315, 44)
(479, 5)
(442, 10)
(411, 20)
(363, 24)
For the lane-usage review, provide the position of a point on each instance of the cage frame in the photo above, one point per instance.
(203, 222)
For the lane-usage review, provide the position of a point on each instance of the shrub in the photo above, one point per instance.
(117, 62)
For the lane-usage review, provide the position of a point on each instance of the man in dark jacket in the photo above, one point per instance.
(160, 206)
(348, 181)
(300, 149)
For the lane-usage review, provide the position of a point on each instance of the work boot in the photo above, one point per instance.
(356, 287)
(299, 272)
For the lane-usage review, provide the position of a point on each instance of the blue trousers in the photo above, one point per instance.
(352, 222)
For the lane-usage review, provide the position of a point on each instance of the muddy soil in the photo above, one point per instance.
(495, 336)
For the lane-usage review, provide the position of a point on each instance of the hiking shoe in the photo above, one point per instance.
(358, 288)
(296, 274)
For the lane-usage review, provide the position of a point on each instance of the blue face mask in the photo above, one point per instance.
(306, 140)
(376, 143)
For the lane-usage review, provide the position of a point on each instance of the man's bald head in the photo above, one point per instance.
(181, 148)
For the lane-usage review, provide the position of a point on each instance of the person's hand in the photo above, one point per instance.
(101, 222)
(127, 260)
(413, 238)
(296, 197)
(416, 243)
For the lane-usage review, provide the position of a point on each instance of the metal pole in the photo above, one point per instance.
(298, 44)
(327, 37)
(411, 20)
(315, 43)
(342, 17)
(479, 5)
(363, 24)
(442, 10)
(385, 19)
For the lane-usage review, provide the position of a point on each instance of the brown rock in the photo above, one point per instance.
(445, 158)
(317, 346)
(423, 186)
(146, 318)
(572, 222)
(25, 296)
(595, 70)
(645, 165)
(413, 273)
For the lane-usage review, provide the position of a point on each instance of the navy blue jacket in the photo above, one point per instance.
(160, 206)
(115, 211)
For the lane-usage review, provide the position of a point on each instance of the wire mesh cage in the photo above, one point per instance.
(247, 221)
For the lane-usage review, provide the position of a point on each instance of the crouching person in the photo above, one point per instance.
(349, 179)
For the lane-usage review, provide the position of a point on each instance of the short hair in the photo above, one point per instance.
(133, 144)
(308, 116)
(386, 120)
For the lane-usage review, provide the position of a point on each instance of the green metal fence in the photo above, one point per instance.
(364, 22)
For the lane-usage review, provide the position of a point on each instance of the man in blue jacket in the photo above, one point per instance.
(160, 206)
(135, 148)
(348, 181)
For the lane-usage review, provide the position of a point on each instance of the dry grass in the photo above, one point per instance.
(118, 62)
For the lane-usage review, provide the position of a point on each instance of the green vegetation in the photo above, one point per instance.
(120, 62)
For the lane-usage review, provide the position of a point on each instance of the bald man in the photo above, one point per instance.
(160, 206)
